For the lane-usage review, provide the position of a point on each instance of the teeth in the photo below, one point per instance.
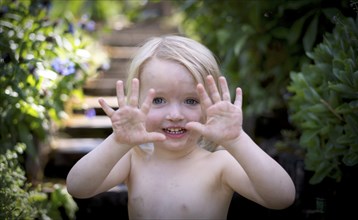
(175, 130)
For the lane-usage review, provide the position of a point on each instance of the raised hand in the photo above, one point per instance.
(128, 121)
(223, 119)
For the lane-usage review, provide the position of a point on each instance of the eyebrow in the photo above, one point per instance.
(188, 94)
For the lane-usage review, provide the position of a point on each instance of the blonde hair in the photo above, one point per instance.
(194, 56)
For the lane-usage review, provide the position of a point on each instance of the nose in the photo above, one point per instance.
(174, 113)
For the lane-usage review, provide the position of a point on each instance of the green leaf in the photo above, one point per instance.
(223, 36)
(345, 90)
(280, 32)
(317, 108)
(309, 138)
(296, 30)
(26, 138)
(330, 13)
(324, 168)
(354, 104)
(310, 125)
(311, 33)
(351, 159)
(239, 44)
(352, 123)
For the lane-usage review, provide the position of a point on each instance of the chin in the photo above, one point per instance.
(173, 145)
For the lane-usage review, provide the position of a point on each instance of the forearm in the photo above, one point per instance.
(268, 177)
(87, 175)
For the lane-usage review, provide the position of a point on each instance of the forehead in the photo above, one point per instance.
(158, 74)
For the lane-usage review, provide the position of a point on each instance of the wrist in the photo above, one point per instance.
(234, 142)
(119, 143)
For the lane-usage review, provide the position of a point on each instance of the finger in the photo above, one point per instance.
(120, 94)
(154, 137)
(238, 98)
(196, 126)
(213, 89)
(148, 101)
(224, 89)
(133, 100)
(205, 100)
(106, 108)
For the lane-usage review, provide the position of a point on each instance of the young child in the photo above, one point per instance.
(177, 100)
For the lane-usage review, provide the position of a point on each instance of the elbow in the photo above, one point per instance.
(74, 192)
(285, 202)
(286, 199)
(74, 189)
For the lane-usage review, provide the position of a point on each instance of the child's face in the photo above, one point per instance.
(175, 103)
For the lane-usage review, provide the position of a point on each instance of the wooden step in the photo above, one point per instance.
(66, 152)
(120, 52)
(90, 104)
(137, 34)
(129, 39)
(75, 145)
(80, 126)
(101, 86)
(80, 121)
(92, 101)
(105, 83)
(118, 68)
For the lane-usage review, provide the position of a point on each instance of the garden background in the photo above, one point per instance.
(296, 61)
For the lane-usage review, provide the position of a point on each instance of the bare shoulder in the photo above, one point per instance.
(125, 164)
(223, 155)
(221, 159)
(140, 152)
(228, 164)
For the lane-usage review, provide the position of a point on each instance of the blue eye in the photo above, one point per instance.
(191, 102)
(158, 101)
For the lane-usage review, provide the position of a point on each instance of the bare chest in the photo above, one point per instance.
(166, 193)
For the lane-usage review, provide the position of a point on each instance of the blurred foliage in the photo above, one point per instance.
(18, 200)
(259, 42)
(106, 12)
(324, 105)
(43, 65)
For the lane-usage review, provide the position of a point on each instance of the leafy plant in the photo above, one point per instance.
(18, 200)
(43, 63)
(60, 198)
(324, 105)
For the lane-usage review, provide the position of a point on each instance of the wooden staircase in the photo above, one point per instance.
(88, 125)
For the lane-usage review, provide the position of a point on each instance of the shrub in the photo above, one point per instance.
(43, 64)
(18, 200)
(324, 105)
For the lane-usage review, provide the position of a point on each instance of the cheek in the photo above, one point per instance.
(195, 115)
(153, 120)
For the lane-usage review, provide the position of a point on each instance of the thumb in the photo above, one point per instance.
(196, 126)
(154, 137)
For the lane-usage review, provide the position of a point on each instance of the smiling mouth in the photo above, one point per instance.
(174, 131)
